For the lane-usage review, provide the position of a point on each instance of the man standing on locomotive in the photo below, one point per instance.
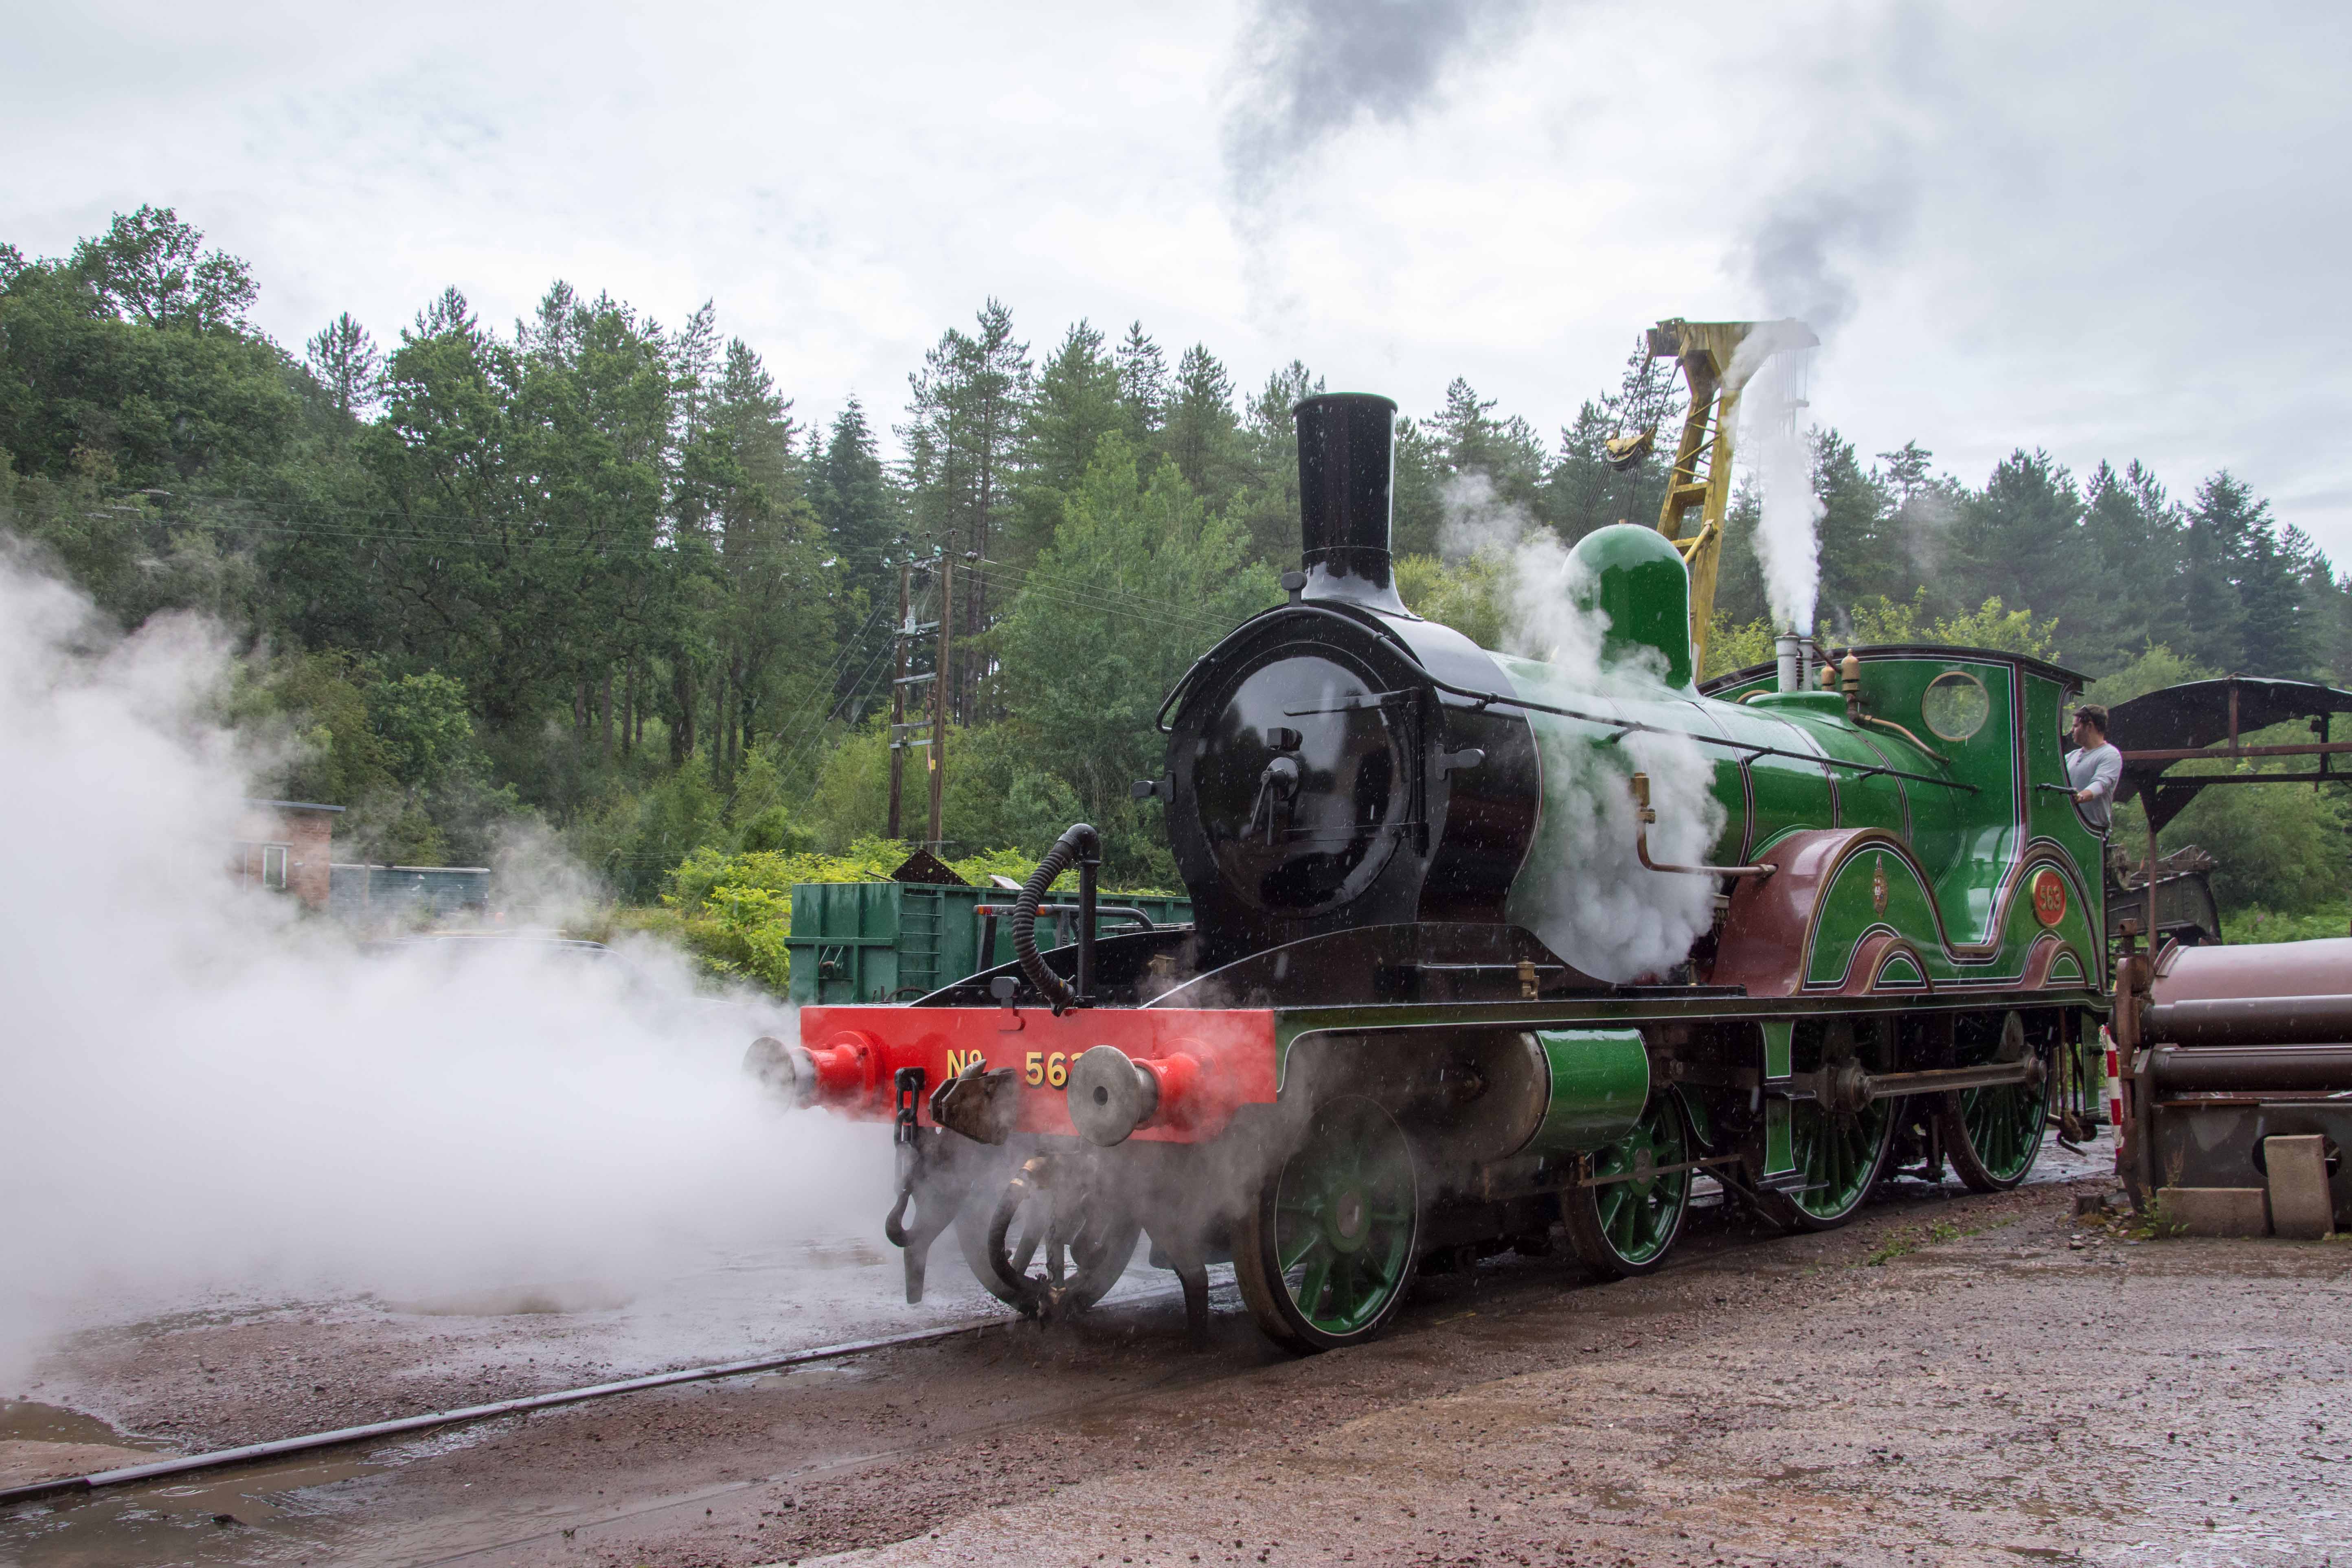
(2094, 767)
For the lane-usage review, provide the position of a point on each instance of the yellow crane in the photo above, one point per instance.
(1700, 480)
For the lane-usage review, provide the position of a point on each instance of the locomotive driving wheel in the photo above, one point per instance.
(1626, 1222)
(1050, 1242)
(1326, 1254)
(1994, 1135)
(1840, 1138)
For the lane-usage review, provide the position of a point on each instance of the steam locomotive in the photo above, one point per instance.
(1490, 951)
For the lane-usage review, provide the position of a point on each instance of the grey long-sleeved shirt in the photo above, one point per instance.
(2097, 769)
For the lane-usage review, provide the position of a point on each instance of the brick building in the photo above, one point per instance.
(285, 846)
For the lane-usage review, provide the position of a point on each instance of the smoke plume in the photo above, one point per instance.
(206, 1089)
(1309, 69)
(1774, 366)
(1585, 893)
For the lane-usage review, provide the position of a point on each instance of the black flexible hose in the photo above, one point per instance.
(1079, 842)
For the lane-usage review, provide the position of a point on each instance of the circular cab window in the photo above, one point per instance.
(1956, 705)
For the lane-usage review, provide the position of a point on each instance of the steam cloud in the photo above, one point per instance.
(1774, 364)
(205, 1090)
(1587, 895)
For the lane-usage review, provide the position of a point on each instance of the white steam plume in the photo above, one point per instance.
(1585, 893)
(1774, 364)
(205, 1090)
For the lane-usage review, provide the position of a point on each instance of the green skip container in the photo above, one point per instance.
(893, 941)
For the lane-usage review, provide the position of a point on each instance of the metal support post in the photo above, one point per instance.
(900, 635)
(940, 684)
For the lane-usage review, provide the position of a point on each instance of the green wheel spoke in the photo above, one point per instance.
(1293, 1256)
(1311, 1285)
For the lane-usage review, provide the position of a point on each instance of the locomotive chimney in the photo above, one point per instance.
(1347, 474)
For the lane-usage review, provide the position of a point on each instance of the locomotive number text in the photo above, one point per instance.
(959, 1060)
(1041, 1067)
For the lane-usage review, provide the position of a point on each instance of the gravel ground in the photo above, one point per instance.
(1951, 1379)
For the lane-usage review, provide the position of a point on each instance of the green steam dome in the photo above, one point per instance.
(1638, 580)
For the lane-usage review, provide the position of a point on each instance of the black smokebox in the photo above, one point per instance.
(1346, 485)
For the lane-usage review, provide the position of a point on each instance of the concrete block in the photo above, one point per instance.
(2301, 1206)
(2217, 1211)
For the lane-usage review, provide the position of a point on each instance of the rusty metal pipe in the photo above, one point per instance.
(2250, 1021)
(1644, 816)
(2252, 1069)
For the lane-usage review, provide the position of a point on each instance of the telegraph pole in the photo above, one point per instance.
(899, 636)
(939, 684)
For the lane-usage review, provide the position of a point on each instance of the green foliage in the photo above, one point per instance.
(2282, 847)
(2329, 918)
(1468, 595)
(91, 388)
(2021, 540)
(398, 752)
(1730, 648)
(2154, 667)
(1137, 583)
(1991, 624)
(1199, 431)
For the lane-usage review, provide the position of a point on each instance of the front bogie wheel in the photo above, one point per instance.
(1326, 1252)
(1629, 1217)
(1993, 1136)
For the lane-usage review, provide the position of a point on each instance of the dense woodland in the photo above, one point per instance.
(591, 569)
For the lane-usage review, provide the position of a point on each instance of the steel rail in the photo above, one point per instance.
(251, 1452)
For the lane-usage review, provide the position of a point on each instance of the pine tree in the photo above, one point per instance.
(2284, 633)
(1905, 471)
(1200, 433)
(2021, 540)
(1142, 384)
(962, 433)
(854, 501)
(1858, 557)
(2135, 531)
(1267, 504)
(450, 316)
(1419, 503)
(1079, 399)
(859, 511)
(348, 364)
(2223, 518)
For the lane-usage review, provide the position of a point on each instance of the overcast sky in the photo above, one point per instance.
(2112, 230)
